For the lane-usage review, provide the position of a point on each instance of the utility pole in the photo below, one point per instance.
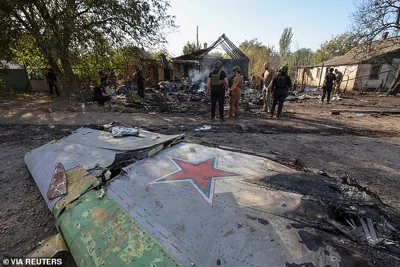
(197, 36)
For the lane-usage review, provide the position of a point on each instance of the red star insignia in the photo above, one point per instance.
(201, 175)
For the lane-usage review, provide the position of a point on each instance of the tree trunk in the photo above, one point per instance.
(70, 81)
(395, 84)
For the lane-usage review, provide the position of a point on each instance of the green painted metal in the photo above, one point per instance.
(79, 181)
(100, 233)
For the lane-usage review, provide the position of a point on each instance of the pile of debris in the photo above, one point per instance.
(184, 96)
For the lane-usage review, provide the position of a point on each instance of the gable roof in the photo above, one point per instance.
(374, 52)
(230, 48)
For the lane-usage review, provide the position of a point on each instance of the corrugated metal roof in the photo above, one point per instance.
(372, 52)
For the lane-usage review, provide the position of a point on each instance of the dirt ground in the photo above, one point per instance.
(362, 146)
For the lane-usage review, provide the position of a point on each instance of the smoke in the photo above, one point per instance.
(197, 76)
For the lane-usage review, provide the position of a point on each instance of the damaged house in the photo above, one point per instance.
(202, 62)
(367, 67)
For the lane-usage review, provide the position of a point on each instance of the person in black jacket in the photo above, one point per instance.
(100, 95)
(217, 85)
(330, 79)
(280, 89)
(140, 81)
(52, 82)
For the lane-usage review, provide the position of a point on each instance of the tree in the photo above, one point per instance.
(337, 46)
(61, 28)
(155, 53)
(190, 48)
(374, 18)
(300, 57)
(285, 42)
(217, 54)
(258, 55)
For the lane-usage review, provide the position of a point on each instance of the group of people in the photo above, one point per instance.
(276, 86)
(99, 92)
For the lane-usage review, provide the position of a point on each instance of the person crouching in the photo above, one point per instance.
(100, 94)
(235, 93)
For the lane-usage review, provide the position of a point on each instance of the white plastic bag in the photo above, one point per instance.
(119, 131)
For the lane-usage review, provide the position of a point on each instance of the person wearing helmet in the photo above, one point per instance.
(235, 92)
(217, 84)
(330, 78)
(280, 88)
(339, 78)
(269, 75)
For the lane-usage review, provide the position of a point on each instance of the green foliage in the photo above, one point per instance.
(285, 42)
(259, 54)
(337, 46)
(301, 57)
(190, 48)
(217, 54)
(5, 91)
(374, 17)
(62, 29)
(155, 53)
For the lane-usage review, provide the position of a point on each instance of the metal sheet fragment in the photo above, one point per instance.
(49, 247)
(58, 185)
(79, 181)
(100, 233)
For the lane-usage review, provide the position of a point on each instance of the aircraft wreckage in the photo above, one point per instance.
(155, 200)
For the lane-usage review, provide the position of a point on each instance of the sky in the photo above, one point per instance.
(313, 21)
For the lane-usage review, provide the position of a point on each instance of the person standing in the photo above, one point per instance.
(339, 78)
(52, 82)
(280, 88)
(235, 92)
(140, 81)
(113, 79)
(269, 74)
(330, 78)
(217, 84)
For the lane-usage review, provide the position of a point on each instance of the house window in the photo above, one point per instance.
(374, 74)
(318, 73)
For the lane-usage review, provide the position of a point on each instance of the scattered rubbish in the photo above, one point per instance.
(50, 110)
(336, 97)
(119, 131)
(308, 93)
(107, 175)
(291, 98)
(58, 184)
(152, 113)
(108, 126)
(244, 127)
(83, 108)
(204, 128)
(359, 115)
(364, 100)
(87, 132)
(322, 172)
(102, 192)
